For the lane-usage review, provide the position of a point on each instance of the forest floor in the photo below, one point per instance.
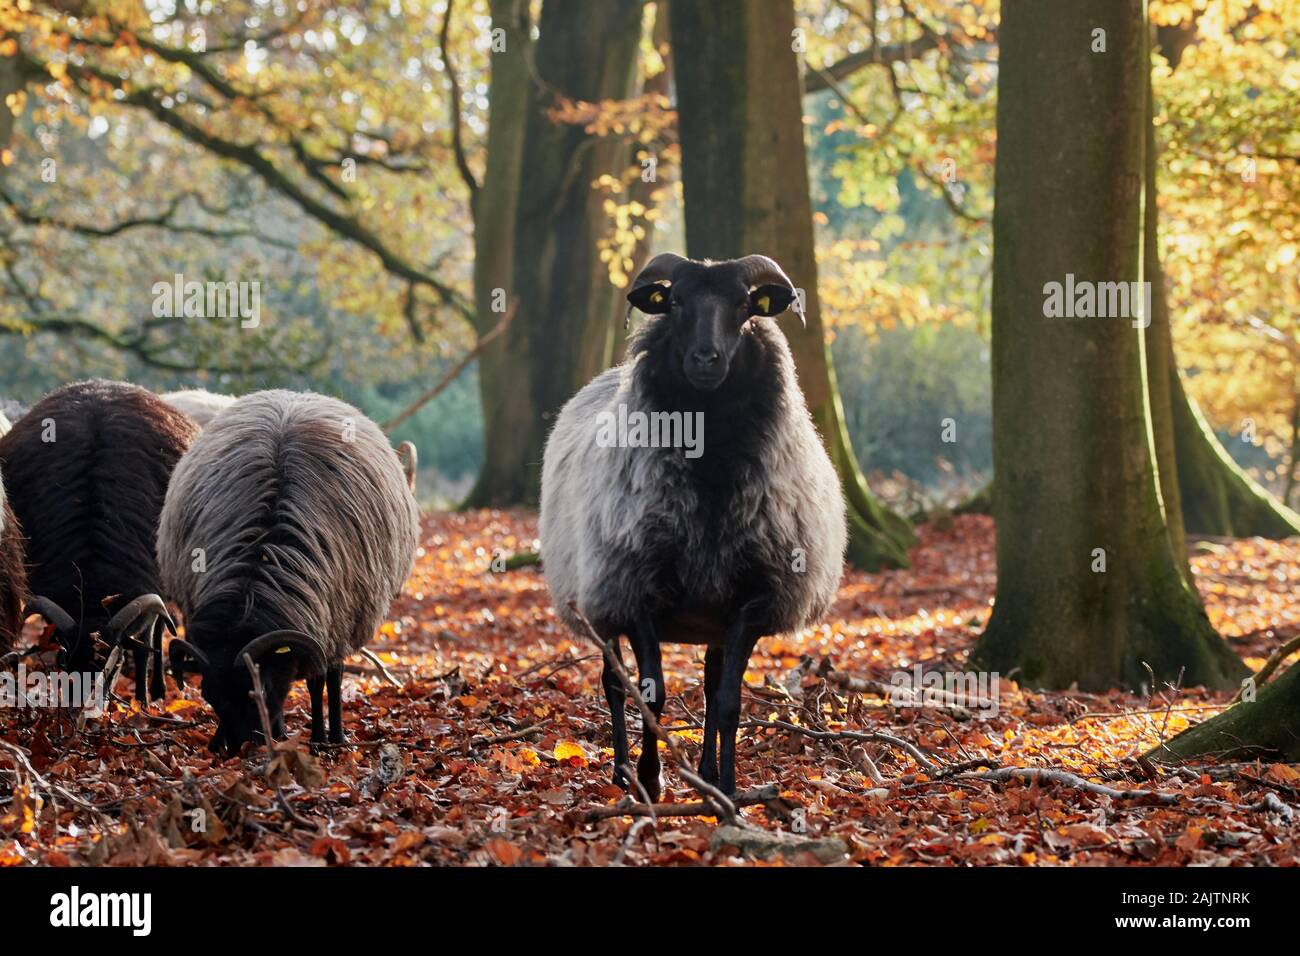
(495, 749)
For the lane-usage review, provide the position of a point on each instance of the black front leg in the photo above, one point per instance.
(750, 625)
(616, 697)
(645, 645)
(316, 687)
(712, 678)
(334, 676)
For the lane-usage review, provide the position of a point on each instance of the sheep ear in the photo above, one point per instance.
(770, 300)
(652, 298)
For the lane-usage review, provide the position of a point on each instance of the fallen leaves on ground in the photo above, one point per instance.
(496, 745)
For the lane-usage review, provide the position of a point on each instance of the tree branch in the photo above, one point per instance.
(452, 372)
(457, 143)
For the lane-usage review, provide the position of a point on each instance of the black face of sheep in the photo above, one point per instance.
(718, 543)
(86, 471)
(307, 529)
(281, 657)
(708, 304)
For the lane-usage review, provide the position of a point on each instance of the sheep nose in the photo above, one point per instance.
(706, 358)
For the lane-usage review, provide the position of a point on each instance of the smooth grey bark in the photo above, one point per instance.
(1074, 455)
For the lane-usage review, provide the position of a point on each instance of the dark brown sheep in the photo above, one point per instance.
(86, 471)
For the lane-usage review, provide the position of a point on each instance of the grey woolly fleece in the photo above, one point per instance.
(613, 518)
(304, 518)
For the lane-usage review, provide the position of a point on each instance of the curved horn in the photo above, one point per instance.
(656, 270)
(177, 650)
(410, 460)
(147, 607)
(286, 639)
(761, 270)
(61, 619)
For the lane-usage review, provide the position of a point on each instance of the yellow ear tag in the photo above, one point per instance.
(657, 297)
(765, 303)
(283, 650)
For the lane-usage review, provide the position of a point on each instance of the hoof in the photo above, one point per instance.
(652, 784)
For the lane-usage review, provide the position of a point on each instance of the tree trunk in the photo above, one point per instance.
(1159, 341)
(1089, 589)
(504, 370)
(641, 190)
(1218, 497)
(745, 174)
(1268, 726)
(1293, 449)
(1213, 495)
(544, 240)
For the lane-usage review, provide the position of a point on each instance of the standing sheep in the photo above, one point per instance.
(200, 405)
(85, 470)
(737, 536)
(288, 529)
(5, 425)
(13, 575)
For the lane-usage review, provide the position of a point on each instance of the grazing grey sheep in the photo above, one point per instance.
(721, 542)
(200, 405)
(287, 531)
(86, 470)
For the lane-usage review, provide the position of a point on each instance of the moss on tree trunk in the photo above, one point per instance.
(1218, 497)
(1090, 590)
(1268, 726)
(745, 173)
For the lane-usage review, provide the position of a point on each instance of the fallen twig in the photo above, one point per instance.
(938, 698)
(745, 798)
(1269, 803)
(632, 832)
(371, 656)
(290, 811)
(259, 698)
(871, 736)
(481, 741)
(21, 759)
(1273, 663)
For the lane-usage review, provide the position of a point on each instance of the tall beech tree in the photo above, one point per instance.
(1213, 494)
(568, 313)
(503, 476)
(745, 175)
(1090, 589)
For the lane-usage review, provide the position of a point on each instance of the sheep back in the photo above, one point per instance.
(632, 530)
(86, 470)
(300, 511)
(198, 404)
